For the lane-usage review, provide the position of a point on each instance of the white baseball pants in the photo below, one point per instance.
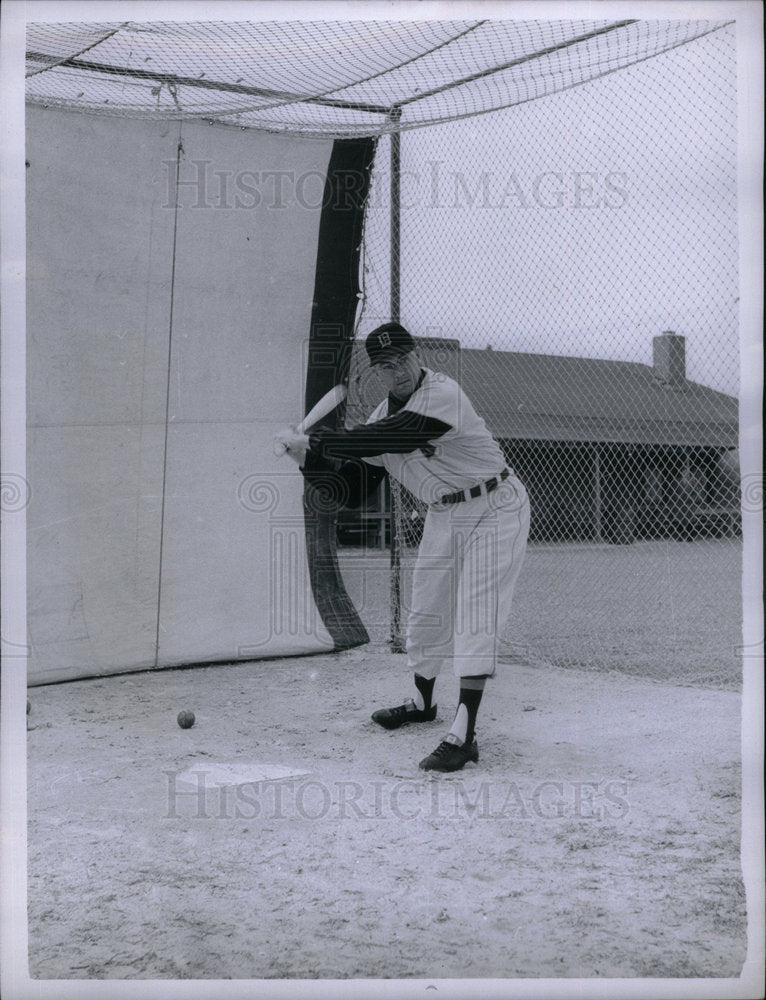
(468, 562)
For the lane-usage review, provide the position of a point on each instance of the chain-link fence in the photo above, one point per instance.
(572, 261)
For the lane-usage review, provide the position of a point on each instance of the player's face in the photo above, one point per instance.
(399, 374)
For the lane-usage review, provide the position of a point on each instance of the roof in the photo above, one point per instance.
(553, 398)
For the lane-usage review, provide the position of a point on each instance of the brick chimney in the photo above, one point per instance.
(669, 357)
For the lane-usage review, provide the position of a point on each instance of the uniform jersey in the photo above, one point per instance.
(463, 456)
(434, 443)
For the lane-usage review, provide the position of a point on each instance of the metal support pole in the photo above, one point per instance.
(396, 204)
(397, 640)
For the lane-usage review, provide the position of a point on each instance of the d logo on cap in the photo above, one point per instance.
(390, 338)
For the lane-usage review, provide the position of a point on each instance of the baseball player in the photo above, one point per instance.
(427, 435)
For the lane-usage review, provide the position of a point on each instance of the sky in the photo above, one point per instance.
(583, 223)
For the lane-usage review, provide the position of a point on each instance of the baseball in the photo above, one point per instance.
(186, 720)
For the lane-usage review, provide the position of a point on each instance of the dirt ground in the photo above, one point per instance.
(287, 836)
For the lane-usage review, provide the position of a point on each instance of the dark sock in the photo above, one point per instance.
(426, 688)
(471, 698)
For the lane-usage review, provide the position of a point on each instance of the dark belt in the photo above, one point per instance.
(476, 491)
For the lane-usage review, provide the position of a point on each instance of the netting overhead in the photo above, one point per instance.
(332, 78)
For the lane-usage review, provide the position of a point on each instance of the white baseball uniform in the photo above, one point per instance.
(472, 549)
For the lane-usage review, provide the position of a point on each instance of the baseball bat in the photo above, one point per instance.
(326, 405)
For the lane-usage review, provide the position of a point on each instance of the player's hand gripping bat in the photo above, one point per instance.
(326, 405)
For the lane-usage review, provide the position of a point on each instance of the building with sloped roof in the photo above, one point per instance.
(609, 450)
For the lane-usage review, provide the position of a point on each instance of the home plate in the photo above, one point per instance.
(235, 773)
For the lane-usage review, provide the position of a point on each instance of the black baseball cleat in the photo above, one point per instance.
(401, 715)
(450, 756)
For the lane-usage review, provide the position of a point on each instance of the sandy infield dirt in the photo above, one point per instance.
(285, 835)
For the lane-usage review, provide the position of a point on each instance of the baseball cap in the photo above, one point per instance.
(388, 339)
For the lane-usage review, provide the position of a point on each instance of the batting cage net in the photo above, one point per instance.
(573, 263)
(553, 215)
(331, 78)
